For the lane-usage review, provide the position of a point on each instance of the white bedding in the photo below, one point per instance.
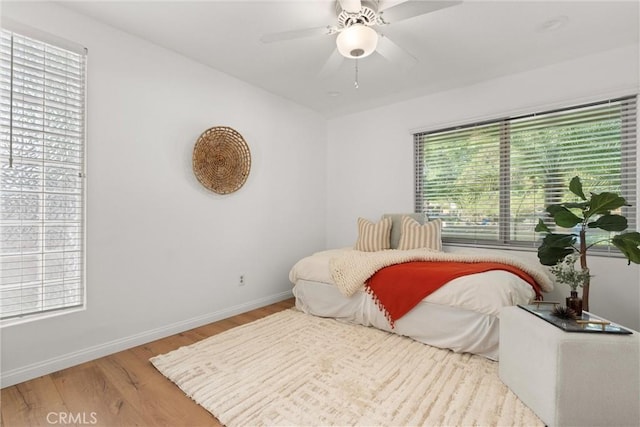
(438, 325)
(461, 316)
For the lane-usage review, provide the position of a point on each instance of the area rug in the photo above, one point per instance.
(291, 368)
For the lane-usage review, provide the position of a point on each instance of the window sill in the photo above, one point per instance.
(28, 318)
(602, 253)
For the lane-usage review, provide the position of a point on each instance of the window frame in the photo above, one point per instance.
(20, 30)
(505, 240)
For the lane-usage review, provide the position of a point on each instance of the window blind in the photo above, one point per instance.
(42, 139)
(490, 182)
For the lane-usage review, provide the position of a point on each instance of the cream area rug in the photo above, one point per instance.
(295, 369)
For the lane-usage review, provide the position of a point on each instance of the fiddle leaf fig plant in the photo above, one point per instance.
(590, 212)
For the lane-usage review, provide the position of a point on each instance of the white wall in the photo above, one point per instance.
(164, 254)
(370, 154)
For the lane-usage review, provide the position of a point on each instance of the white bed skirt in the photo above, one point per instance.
(437, 325)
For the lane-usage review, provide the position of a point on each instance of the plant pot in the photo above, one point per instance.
(574, 302)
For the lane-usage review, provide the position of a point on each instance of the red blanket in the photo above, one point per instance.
(400, 287)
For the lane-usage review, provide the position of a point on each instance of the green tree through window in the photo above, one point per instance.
(489, 182)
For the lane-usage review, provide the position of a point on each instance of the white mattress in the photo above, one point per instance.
(461, 316)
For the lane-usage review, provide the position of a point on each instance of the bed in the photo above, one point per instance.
(461, 315)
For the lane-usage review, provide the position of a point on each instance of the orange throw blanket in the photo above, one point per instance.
(400, 287)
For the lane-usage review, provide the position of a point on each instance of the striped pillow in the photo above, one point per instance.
(414, 235)
(373, 237)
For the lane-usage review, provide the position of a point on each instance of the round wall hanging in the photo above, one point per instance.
(221, 160)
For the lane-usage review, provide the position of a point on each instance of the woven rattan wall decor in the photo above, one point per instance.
(221, 160)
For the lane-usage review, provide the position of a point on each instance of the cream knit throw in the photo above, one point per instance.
(351, 270)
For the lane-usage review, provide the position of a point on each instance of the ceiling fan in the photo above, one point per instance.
(356, 36)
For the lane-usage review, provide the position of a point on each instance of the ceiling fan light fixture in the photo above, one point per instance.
(357, 41)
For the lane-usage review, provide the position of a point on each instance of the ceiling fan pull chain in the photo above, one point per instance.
(356, 82)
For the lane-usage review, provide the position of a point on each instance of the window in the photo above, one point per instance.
(42, 138)
(490, 182)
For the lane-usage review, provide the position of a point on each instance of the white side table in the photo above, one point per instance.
(568, 378)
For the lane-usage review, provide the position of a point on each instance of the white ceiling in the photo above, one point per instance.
(456, 46)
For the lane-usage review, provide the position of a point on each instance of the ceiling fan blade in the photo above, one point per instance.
(394, 53)
(332, 64)
(351, 6)
(297, 34)
(411, 8)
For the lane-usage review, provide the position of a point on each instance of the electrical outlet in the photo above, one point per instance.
(241, 280)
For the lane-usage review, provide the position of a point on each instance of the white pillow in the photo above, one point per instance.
(415, 235)
(373, 237)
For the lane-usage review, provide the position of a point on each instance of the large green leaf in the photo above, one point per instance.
(555, 247)
(541, 227)
(556, 240)
(563, 216)
(551, 256)
(575, 185)
(628, 244)
(604, 203)
(610, 223)
(576, 205)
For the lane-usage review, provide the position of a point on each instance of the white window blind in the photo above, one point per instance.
(42, 138)
(490, 182)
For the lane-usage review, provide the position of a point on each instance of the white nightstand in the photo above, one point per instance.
(568, 378)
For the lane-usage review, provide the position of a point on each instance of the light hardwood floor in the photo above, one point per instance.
(122, 389)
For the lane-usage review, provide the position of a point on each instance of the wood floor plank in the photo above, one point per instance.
(88, 392)
(170, 343)
(157, 399)
(32, 403)
(123, 389)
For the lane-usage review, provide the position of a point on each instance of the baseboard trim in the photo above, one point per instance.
(25, 373)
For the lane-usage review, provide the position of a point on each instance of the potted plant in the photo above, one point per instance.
(594, 212)
(565, 272)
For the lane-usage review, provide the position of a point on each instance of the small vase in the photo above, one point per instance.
(574, 302)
